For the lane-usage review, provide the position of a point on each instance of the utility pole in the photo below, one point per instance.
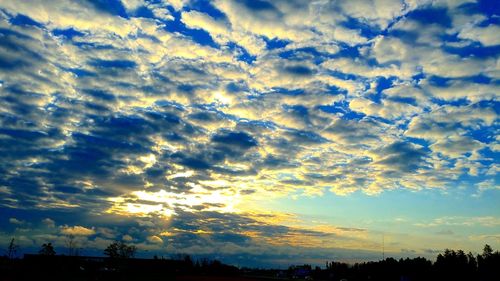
(383, 247)
(12, 249)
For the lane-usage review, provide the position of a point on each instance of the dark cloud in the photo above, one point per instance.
(230, 238)
(354, 132)
(273, 162)
(402, 156)
(259, 6)
(191, 162)
(299, 70)
(113, 63)
(113, 7)
(16, 52)
(304, 137)
(100, 94)
(235, 139)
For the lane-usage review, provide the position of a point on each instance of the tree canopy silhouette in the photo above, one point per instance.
(47, 250)
(120, 250)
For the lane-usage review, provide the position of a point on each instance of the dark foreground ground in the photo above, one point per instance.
(224, 278)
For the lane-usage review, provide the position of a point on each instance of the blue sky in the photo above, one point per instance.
(258, 132)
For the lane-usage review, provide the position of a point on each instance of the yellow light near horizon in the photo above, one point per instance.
(163, 202)
(137, 209)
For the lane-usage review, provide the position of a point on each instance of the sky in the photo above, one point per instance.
(262, 133)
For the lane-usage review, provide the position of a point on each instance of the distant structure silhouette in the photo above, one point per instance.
(383, 247)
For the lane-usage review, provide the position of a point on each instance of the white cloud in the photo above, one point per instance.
(155, 239)
(456, 146)
(488, 36)
(386, 109)
(77, 230)
(449, 121)
(132, 5)
(127, 238)
(63, 14)
(198, 20)
(49, 222)
(222, 32)
(381, 12)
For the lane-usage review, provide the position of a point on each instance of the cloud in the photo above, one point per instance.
(77, 230)
(448, 121)
(401, 156)
(485, 186)
(155, 239)
(132, 5)
(238, 139)
(60, 14)
(486, 221)
(16, 221)
(457, 90)
(388, 109)
(485, 35)
(457, 146)
(127, 238)
(49, 222)
(195, 19)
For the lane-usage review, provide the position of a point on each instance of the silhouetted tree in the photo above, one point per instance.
(188, 261)
(337, 269)
(471, 264)
(415, 269)
(487, 251)
(72, 246)
(47, 250)
(453, 265)
(488, 264)
(12, 249)
(120, 250)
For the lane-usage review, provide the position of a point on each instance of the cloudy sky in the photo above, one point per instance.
(258, 132)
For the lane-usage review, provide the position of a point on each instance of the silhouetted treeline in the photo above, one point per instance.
(450, 265)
